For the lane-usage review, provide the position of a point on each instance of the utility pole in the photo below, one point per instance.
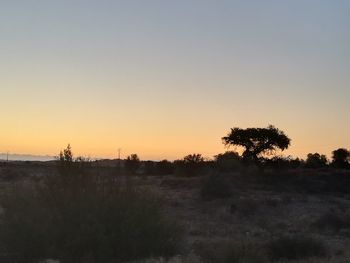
(119, 160)
(7, 156)
(119, 150)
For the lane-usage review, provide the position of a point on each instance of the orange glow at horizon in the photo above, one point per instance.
(164, 79)
(147, 145)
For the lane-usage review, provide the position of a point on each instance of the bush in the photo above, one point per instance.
(8, 174)
(215, 187)
(333, 221)
(190, 165)
(148, 167)
(164, 167)
(132, 163)
(245, 207)
(228, 161)
(341, 158)
(242, 255)
(225, 252)
(316, 160)
(77, 217)
(295, 248)
(280, 162)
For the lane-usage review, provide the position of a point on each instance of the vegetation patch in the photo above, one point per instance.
(295, 248)
(245, 207)
(225, 252)
(78, 217)
(215, 187)
(333, 221)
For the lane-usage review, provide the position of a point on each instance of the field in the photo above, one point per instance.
(300, 215)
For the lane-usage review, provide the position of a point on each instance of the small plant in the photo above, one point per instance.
(295, 248)
(215, 187)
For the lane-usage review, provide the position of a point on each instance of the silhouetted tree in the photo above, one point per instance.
(66, 156)
(70, 168)
(66, 161)
(341, 158)
(316, 160)
(257, 141)
(132, 163)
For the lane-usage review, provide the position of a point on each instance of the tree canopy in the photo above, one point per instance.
(66, 156)
(257, 141)
(316, 160)
(341, 157)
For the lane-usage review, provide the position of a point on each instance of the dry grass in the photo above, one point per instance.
(259, 211)
(78, 217)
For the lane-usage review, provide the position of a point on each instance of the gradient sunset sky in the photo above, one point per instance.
(166, 78)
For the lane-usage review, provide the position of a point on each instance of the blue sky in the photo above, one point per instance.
(166, 78)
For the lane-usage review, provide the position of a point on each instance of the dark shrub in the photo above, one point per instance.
(225, 252)
(245, 207)
(242, 254)
(228, 161)
(333, 221)
(295, 248)
(8, 174)
(280, 162)
(181, 182)
(77, 217)
(132, 163)
(341, 158)
(190, 165)
(215, 187)
(316, 160)
(164, 167)
(148, 167)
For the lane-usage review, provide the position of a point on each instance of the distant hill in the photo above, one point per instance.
(26, 157)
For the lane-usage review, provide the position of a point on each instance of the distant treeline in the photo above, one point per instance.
(256, 145)
(231, 161)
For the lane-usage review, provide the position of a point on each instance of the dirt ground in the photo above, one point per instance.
(254, 214)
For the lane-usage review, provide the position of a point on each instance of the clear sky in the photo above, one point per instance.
(167, 78)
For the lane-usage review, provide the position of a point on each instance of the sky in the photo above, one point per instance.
(164, 78)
